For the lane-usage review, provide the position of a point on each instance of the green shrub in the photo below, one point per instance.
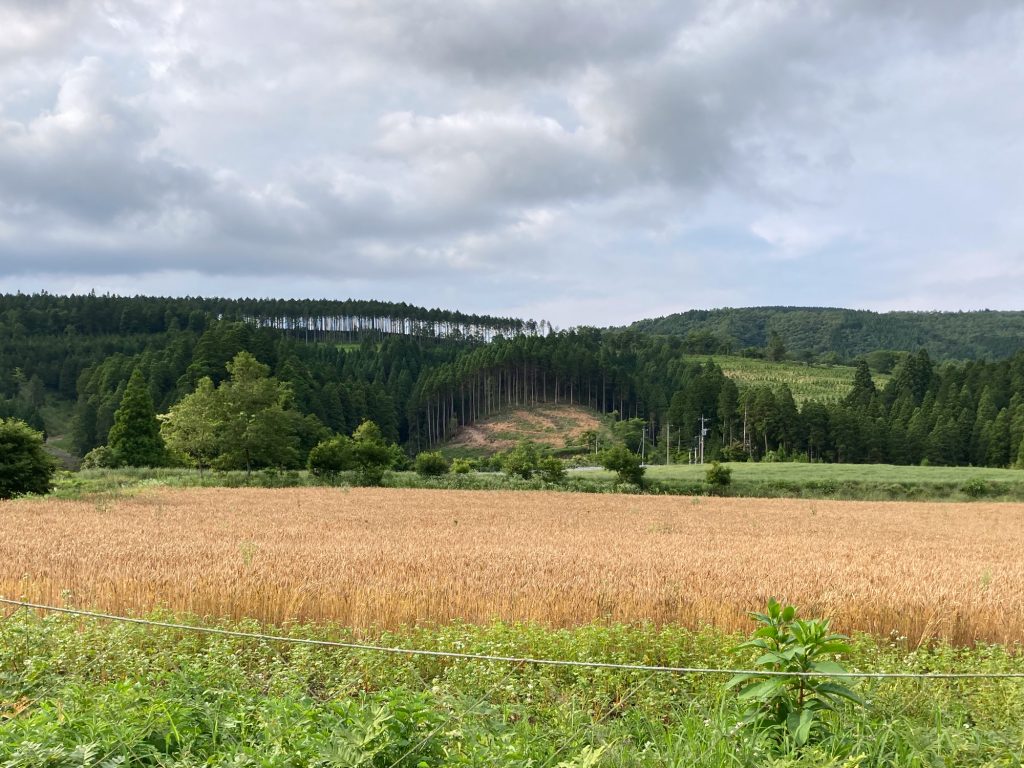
(100, 457)
(551, 469)
(25, 467)
(718, 478)
(431, 464)
(624, 463)
(461, 466)
(976, 488)
(522, 461)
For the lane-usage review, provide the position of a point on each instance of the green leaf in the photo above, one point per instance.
(762, 690)
(828, 668)
(788, 613)
(737, 679)
(835, 689)
(799, 726)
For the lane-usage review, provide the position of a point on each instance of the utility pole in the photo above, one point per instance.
(643, 439)
(703, 433)
(668, 438)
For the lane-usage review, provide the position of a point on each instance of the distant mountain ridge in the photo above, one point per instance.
(982, 334)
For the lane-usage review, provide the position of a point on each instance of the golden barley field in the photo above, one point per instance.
(383, 558)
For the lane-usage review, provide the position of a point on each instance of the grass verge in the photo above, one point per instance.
(90, 694)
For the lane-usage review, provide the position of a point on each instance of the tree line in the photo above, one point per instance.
(419, 389)
(824, 333)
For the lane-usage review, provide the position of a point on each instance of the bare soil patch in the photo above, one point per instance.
(553, 426)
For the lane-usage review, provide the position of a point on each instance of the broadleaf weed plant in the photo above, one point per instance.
(794, 682)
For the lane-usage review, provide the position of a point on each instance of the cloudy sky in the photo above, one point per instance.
(582, 162)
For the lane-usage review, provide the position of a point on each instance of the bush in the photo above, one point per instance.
(718, 478)
(25, 467)
(99, 458)
(624, 463)
(431, 464)
(522, 461)
(976, 488)
(461, 466)
(551, 469)
(331, 457)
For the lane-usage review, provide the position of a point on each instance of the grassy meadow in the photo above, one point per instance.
(870, 482)
(88, 694)
(839, 481)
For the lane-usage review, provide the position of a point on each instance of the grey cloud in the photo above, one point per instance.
(467, 143)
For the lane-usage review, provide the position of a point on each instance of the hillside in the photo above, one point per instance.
(555, 427)
(849, 333)
(824, 383)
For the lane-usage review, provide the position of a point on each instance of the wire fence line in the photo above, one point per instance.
(507, 659)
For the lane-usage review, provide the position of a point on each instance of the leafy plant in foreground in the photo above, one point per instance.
(784, 699)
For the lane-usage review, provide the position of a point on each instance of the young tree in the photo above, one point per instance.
(134, 439)
(551, 469)
(258, 429)
(331, 457)
(24, 466)
(776, 348)
(371, 454)
(191, 429)
(624, 463)
(522, 461)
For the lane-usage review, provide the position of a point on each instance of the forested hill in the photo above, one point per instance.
(847, 333)
(310, 319)
(420, 375)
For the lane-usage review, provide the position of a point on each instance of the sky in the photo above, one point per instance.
(586, 163)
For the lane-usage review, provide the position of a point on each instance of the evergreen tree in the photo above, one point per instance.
(134, 439)
(863, 392)
(25, 466)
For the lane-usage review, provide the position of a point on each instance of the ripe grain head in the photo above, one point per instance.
(377, 557)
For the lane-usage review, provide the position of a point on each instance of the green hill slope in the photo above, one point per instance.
(824, 383)
(849, 332)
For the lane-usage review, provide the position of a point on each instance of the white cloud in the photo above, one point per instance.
(592, 160)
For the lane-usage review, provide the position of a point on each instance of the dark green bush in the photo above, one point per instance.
(431, 464)
(718, 478)
(551, 469)
(624, 463)
(976, 488)
(25, 467)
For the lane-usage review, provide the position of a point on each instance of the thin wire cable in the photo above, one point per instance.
(516, 659)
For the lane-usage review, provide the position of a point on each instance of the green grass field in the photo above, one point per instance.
(89, 694)
(836, 481)
(808, 382)
(853, 481)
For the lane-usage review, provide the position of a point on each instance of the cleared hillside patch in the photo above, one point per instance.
(388, 557)
(548, 425)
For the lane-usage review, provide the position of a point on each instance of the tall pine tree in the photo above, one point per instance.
(134, 438)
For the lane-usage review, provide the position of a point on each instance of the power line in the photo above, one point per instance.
(513, 659)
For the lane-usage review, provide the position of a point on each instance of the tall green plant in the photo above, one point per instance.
(787, 697)
(134, 439)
